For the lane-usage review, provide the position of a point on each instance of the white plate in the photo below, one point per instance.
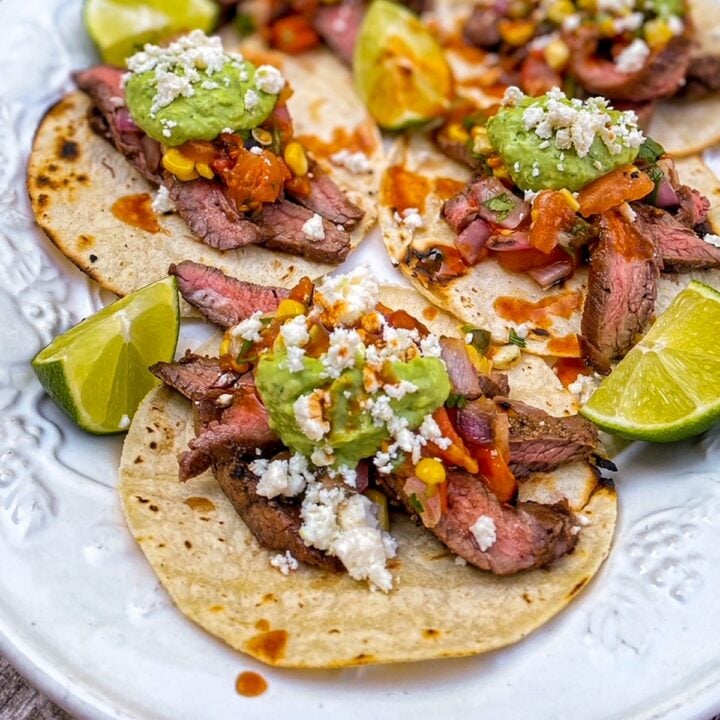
(82, 615)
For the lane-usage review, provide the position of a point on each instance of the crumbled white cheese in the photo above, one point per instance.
(281, 477)
(322, 457)
(345, 346)
(167, 126)
(284, 562)
(462, 562)
(224, 400)
(251, 99)
(584, 520)
(347, 474)
(249, 329)
(628, 23)
(295, 332)
(484, 532)
(513, 96)
(308, 412)
(675, 24)
(162, 204)
(633, 57)
(584, 386)
(412, 219)
(712, 239)
(269, 79)
(627, 212)
(572, 22)
(616, 7)
(356, 162)
(313, 228)
(430, 431)
(256, 150)
(117, 101)
(209, 85)
(295, 359)
(125, 421)
(522, 330)
(430, 346)
(344, 299)
(400, 390)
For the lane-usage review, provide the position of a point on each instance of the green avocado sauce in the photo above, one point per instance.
(533, 167)
(219, 102)
(353, 434)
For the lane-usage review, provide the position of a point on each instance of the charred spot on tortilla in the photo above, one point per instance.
(68, 149)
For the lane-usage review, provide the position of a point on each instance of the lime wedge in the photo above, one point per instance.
(97, 372)
(400, 69)
(668, 386)
(120, 28)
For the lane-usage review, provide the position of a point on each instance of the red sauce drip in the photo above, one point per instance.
(250, 684)
(136, 210)
(567, 369)
(360, 139)
(447, 187)
(567, 346)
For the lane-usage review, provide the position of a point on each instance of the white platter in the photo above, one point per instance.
(82, 615)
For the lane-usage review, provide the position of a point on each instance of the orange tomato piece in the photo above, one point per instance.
(522, 260)
(255, 179)
(293, 34)
(624, 184)
(496, 472)
(551, 214)
(457, 453)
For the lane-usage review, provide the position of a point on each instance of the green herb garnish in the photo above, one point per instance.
(650, 151)
(480, 338)
(515, 339)
(501, 205)
(416, 504)
(456, 400)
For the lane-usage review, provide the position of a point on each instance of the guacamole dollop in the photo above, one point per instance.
(193, 90)
(553, 142)
(353, 433)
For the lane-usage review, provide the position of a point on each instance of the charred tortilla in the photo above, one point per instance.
(487, 295)
(220, 578)
(75, 177)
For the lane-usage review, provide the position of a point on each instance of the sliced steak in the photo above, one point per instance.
(530, 535)
(621, 290)
(679, 246)
(281, 224)
(240, 429)
(476, 421)
(463, 375)
(208, 211)
(275, 524)
(110, 118)
(338, 26)
(540, 442)
(223, 300)
(661, 75)
(482, 28)
(328, 200)
(195, 376)
(456, 150)
(461, 209)
(694, 206)
(702, 77)
(494, 384)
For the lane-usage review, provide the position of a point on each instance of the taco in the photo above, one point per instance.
(255, 169)
(636, 54)
(572, 231)
(337, 443)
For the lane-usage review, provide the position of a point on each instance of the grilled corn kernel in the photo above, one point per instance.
(570, 199)
(204, 171)
(501, 172)
(607, 27)
(506, 356)
(181, 167)
(430, 471)
(516, 32)
(262, 136)
(480, 363)
(657, 33)
(557, 54)
(290, 308)
(381, 501)
(518, 9)
(559, 10)
(480, 142)
(296, 159)
(457, 133)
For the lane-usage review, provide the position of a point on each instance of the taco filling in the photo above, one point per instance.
(560, 184)
(213, 132)
(325, 405)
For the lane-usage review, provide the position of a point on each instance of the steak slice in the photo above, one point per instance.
(530, 535)
(210, 214)
(679, 246)
(275, 524)
(461, 209)
(476, 421)
(661, 75)
(463, 375)
(195, 376)
(223, 300)
(693, 208)
(281, 224)
(702, 77)
(338, 26)
(621, 290)
(540, 442)
(103, 84)
(328, 200)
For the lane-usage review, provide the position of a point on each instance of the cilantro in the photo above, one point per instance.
(515, 339)
(416, 504)
(480, 338)
(456, 400)
(657, 176)
(244, 24)
(243, 356)
(501, 205)
(477, 119)
(650, 151)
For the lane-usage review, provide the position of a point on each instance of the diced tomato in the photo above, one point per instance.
(522, 260)
(299, 186)
(457, 453)
(401, 319)
(551, 215)
(293, 34)
(200, 151)
(623, 184)
(496, 472)
(302, 292)
(254, 179)
(319, 342)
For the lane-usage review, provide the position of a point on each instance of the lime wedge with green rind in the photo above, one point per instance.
(399, 68)
(119, 28)
(97, 372)
(668, 386)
